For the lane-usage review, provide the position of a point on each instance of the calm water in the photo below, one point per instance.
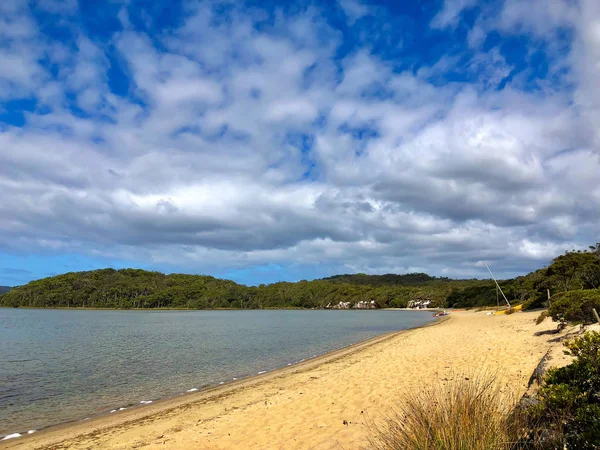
(58, 365)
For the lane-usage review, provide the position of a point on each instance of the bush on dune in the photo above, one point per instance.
(575, 306)
(566, 411)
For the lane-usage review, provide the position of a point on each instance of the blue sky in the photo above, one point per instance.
(266, 141)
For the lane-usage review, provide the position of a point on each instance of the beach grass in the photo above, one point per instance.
(462, 413)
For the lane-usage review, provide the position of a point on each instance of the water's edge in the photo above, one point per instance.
(200, 395)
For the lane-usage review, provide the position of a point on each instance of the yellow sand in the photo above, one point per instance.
(305, 407)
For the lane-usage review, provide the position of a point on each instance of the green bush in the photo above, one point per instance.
(567, 408)
(534, 303)
(575, 306)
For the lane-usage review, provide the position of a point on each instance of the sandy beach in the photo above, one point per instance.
(306, 406)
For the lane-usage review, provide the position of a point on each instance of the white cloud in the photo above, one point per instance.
(355, 10)
(450, 13)
(476, 36)
(542, 17)
(242, 145)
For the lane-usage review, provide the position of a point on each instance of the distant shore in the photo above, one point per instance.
(85, 308)
(305, 405)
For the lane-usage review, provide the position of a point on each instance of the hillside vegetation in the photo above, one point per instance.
(134, 288)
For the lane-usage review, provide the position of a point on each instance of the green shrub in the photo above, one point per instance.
(575, 306)
(567, 408)
(534, 303)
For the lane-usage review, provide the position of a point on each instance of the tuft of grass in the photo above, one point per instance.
(462, 414)
(543, 315)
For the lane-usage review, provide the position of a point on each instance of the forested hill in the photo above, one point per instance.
(389, 279)
(4, 289)
(133, 288)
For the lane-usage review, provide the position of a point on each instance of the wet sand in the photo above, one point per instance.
(305, 406)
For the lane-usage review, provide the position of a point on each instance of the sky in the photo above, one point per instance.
(264, 141)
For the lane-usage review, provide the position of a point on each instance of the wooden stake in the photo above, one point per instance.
(596, 315)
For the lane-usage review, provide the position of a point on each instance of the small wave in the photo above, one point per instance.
(261, 372)
(222, 382)
(31, 431)
(192, 390)
(114, 410)
(122, 409)
(11, 436)
(234, 378)
(146, 402)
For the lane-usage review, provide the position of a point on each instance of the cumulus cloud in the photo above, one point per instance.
(238, 137)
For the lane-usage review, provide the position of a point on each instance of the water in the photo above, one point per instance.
(62, 365)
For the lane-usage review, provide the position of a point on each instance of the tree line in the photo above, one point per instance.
(135, 288)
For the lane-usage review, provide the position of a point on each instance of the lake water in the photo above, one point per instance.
(62, 365)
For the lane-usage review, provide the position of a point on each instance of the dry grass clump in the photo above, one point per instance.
(462, 414)
(543, 315)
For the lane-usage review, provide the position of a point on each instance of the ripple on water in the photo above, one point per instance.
(63, 365)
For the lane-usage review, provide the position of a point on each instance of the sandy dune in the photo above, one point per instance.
(305, 407)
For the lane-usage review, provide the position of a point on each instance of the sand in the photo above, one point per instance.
(306, 406)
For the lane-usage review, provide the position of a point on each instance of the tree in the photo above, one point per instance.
(567, 271)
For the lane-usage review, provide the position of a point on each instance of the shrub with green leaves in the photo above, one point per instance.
(575, 306)
(567, 410)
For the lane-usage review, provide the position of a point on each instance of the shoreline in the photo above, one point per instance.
(325, 402)
(291, 308)
(162, 404)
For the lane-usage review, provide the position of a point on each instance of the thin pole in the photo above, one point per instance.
(497, 285)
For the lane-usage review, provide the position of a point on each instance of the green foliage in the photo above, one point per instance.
(567, 411)
(531, 290)
(482, 295)
(575, 270)
(409, 279)
(132, 288)
(575, 306)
